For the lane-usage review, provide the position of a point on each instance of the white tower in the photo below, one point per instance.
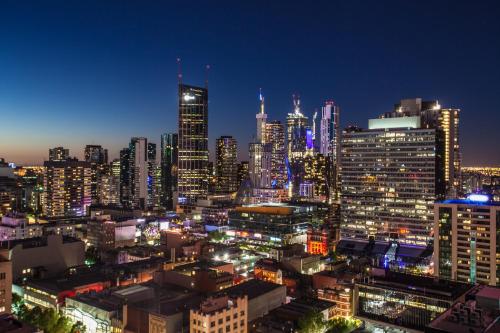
(261, 121)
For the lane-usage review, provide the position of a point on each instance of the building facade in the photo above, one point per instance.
(67, 188)
(193, 144)
(220, 314)
(467, 240)
(390, 180)
(169, 153)
(226, 168)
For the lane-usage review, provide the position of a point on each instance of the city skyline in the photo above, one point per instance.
(106, 82)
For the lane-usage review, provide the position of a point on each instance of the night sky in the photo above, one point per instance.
(99, 72)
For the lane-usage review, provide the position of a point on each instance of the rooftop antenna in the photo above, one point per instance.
(207, 70)
(261, 99)
(179, 70)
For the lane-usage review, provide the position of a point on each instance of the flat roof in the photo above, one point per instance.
(252, 288)
(470, 202)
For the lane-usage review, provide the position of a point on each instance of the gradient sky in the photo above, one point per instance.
(99, 72)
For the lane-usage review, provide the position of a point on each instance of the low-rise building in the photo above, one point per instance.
(45, 256)
(480, 313)
(405, 300)
(5, 282)
(220, 314)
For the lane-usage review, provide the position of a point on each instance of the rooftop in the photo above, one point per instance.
(428, 286)
(252, 288)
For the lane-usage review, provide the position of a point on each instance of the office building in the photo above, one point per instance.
(467, 240)
(330, 146)
(259, 166)
(226, 169)
(58, 154)
(242, 171)
(67, 188)
(329, 129)
(98, 159)
(169, 153)
(391, 177)
(446, 123)
(297, 143)
(109, 187)
(220, 314)
(138, 172)
(275, 136)
(316, 175)
(193, 144)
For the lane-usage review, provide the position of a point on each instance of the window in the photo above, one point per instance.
(235, 316)
(228, 328)
(2, 276)
(242, 313)
(212, 323)
(228, 318)
(242, 322)
(220, 330)
(235, 325)
(220, 320)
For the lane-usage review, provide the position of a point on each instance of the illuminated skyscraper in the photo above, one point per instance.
(58, 154)
(275, 136)
(226, 168)
(297, 140)
(261, 121)
(193, 144)
(242, 171)
(329, 129)
(446, 123)
(138, 170)
(66, 188)
(154, 178)
(390, 179)
(98, 159)
(259, 166)
(467, 240)
(125, 177)
(169, 152)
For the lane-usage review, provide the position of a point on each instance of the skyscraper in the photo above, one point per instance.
(66, 188)
(242, 171)
(98, 159)
(446, 123)
(154, 179)
(125, 177)
(261, 117)
(467, 240)
(58, 154)
(226, 164)
(390, 180)
(193, 144)
(296, 132)
(138, 171)
(330, 145)
(275, 136)
(259, 166)
(169, 153)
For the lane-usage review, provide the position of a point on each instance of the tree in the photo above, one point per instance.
(313, 322)
(49, 320)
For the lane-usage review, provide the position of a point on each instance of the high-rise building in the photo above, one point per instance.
(5, 282)
(193, 144)
(259, 166)
(169, 153)
(329, 136)
(275, 136)
(446, 123)
(226, 160)
(330, 145)
(467, 240)
(109, 187)
(297, 140)
(98, 159)
(58, 154)
(390, 179)
(125, 177)
(66, 188)
(242, 171)
(138, 172)
(154, 179)
(96, 154)
(261, 117)
(315, 173)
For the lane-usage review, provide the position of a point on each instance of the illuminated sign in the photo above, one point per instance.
(188, 97)
(478, 197)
